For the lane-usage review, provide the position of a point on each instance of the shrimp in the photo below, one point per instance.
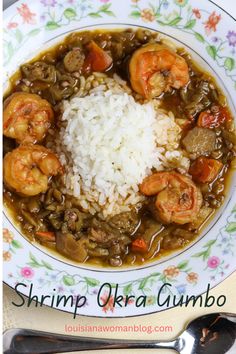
(178, 199)
(27, 168)
(26, 117)
(155, 68)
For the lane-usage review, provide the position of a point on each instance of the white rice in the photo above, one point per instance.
(111, 143)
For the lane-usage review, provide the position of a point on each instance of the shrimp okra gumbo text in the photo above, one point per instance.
(117, 147)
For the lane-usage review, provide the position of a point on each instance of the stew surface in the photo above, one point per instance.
(175, 200)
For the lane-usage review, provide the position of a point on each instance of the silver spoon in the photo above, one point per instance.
(209, 334)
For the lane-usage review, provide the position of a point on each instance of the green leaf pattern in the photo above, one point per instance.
(190, 24)
(229, 64)
(51, 25)
(199, 37)
(69, 13)
(212, 51)
(16, 244)
(231, 227)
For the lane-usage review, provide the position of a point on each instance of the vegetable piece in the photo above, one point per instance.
(202, 217)
(98, 252)
(46, 236)
(197, 98)
(63, 88)
(205, 170)
(74, 60)
(72, 248)
(39, 71)
(139, 245)
(205, 119)
(230, 136)
(29, 218)
(98, 235)
(115, 261)
(33, 205)
(200, 141)
(97, 59)
(152, 228)
(213, 118)
(126, 222)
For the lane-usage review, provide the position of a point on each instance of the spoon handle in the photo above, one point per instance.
(24, 341)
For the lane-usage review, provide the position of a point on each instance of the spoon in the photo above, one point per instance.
(209, 334)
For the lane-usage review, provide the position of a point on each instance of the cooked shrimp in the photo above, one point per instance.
(178, 199)
(27, 169)
(155, 68)
(26, 117)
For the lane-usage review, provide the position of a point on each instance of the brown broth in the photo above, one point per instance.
(121, 44)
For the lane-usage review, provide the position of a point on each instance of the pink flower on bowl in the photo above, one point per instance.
(108, 304)
(26, 14)
(12, 25)
(212, 22)
(27, 272)
(104, 1)
(197, 13)
(213, 262)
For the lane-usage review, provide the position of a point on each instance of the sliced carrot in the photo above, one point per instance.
(209, 119)
(205, 170)
(139, 245)
(46, 235)
(97, 58)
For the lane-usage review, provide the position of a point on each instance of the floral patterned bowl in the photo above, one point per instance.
(209, 35)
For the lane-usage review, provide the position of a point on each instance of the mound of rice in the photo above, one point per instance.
(110, 143)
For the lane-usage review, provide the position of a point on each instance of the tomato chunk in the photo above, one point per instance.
(205, 170)
(213, 118)
(97, 59)
(139, 245)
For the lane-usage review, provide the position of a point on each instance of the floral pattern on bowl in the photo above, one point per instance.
(26, 24)
(206, 29)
